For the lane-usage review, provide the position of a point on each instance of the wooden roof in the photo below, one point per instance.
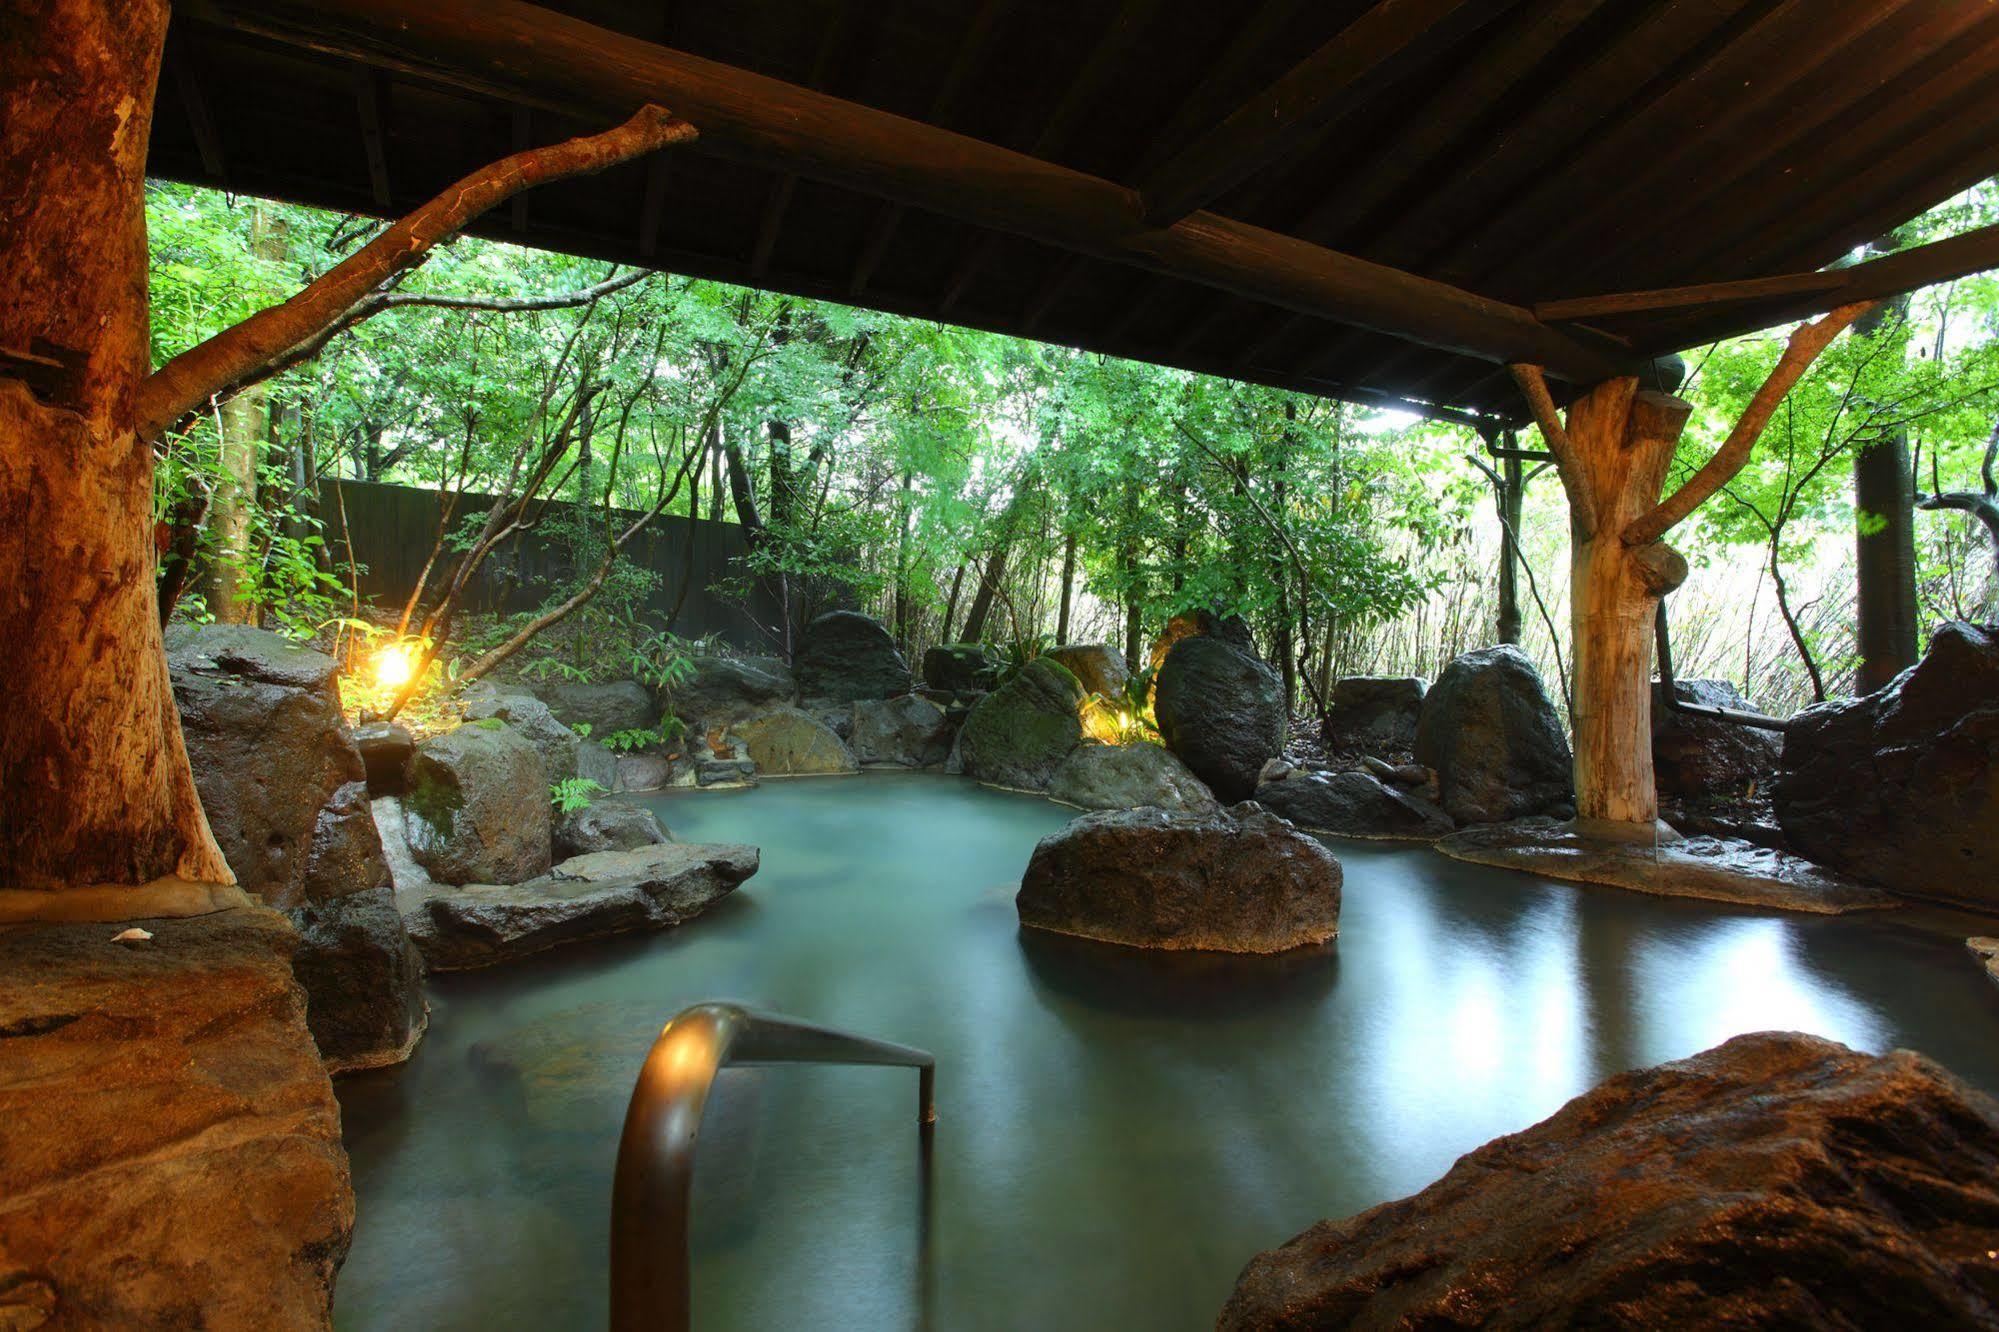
(1523, 150)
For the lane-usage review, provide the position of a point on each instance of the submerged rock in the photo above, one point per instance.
(1697, 757)
(792, 743)
(605, 825)
(170, 1149)
(845, 656)
(908, 732)
(1713, 869)
(1129, 777)
(477, 809)
(1352, 804)
(960, 668)
(1901, 787)
(1222, 711)
(621, 705)
(1490, 731)
(1099, 669)
(1242, 881)
(1779, 1180)
(587, 897)
(1375, 713)
(1018, 735)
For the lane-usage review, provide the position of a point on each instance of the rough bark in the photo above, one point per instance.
(1884, 501)
(1624, 441)
(94, 781)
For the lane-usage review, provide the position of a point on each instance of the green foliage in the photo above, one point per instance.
(574, 793)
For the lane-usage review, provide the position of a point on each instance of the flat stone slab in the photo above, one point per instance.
(1711, 869)
(587, 897)
(170, 1148)
(1986, 951)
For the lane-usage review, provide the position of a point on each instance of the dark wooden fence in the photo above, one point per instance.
(393, 528)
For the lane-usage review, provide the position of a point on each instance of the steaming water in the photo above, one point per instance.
(1118, 1132)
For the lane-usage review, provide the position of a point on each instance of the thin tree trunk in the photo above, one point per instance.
(1511, 494)
(1884, 501)
(1791, 620)
(1068, 589)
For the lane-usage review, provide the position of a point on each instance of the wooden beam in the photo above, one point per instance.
(772, 224)
(523, 140)
(1876, 280)
(970, 46)
(1833, 98)
(1413, 145)
(187, 82)
(368, 105)
(1082, 92)
(653, 211)
(1388, 38)
(542, 57)
(1683, 298)
(1563, 113)
(1780, 37)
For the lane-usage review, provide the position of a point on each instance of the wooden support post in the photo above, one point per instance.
(1622, 440)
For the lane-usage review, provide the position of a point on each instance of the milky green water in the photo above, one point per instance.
(1118, 1132)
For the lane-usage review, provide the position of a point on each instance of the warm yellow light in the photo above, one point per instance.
(393, 666)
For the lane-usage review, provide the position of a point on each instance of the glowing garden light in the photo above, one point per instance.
(394, 665)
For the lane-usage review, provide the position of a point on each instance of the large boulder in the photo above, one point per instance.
(1018, 735)
(1699, 757)
(170, 1151)
(534, 721)
(1231, 629)
(723, 690)
(1901, 787)
(1222, 711)
(1099, 669)
(1491, 732)
(262, 723)
(605, 825)
(845, 655)
(1777, 1181)
(1129, 777)
(285, 791)
(960, 668)
(1375, 714)
(363, 980)
(1352, 804)
(588, 897)
(621, 705)
(792, 743)
(1242, 881)
(477, 810)
(907, 732)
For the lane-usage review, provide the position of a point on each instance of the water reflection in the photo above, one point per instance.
(1118, 1132)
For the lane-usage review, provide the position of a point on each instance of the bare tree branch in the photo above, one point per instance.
(212, 367)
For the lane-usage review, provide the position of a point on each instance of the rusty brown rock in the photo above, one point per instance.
(170, 1148)
(1777, 1181)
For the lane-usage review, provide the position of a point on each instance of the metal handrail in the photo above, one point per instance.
(650, 1267)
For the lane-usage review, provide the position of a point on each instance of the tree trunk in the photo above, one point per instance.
(1884, 500)
(1884, 494)
(1509, 497)
(245, 423)
(1068, 589)
(1623, 441)
(94, 781)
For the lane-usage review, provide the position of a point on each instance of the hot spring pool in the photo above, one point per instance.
(1117, 1133)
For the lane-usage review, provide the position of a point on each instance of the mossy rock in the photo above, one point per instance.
(1019, 734)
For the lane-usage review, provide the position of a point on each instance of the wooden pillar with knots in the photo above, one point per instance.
(1613, 454)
